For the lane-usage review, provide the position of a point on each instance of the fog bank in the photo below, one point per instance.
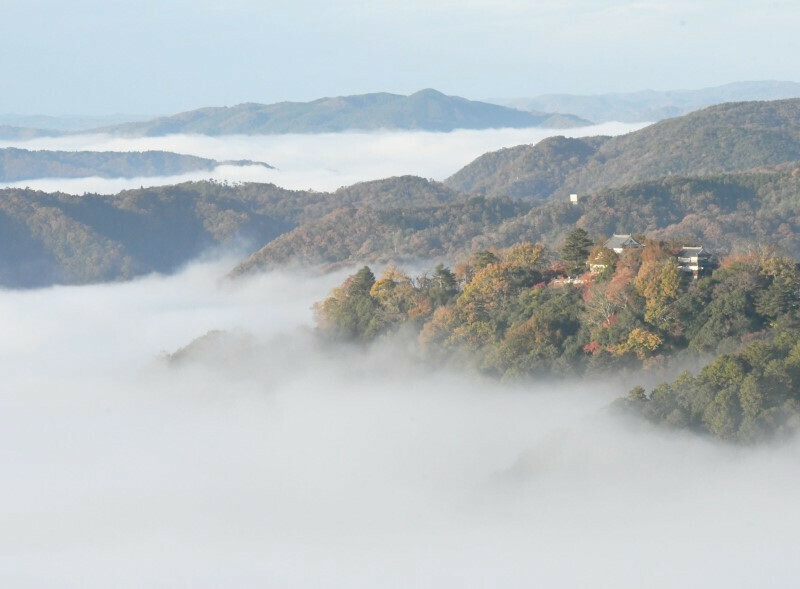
(292, 465)
(320, 162)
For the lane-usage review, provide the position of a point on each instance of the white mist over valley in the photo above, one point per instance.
(288, 464)
(321, 162)
(399, 295)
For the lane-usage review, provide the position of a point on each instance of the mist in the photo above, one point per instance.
(291, 464)
(321, 162)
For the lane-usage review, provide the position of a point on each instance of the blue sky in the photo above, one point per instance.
(149, 57)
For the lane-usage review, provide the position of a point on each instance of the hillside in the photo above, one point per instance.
(349, 235)
(426, 110)
(509, 314)
(680, 178)
(651, 105)
(57, 238)
(22, 164)
(725, 138)
(723, 212)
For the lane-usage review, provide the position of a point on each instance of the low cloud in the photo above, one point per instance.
(320, 162)
(296, 465)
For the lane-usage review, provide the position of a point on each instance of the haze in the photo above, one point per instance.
(165, 56)
(320, 162)
(291, 465)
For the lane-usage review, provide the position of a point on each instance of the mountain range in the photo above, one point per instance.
(652, 105)
(426, 110)
(727, 176)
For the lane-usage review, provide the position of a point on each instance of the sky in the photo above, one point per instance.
(100, 57)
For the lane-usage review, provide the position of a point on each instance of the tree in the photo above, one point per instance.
(441, 287)
(576, 249)
(351, 312)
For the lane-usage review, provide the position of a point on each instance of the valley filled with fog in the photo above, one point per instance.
(321, 162)
(265, 458)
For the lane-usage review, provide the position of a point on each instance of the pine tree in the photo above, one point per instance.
(576, 250)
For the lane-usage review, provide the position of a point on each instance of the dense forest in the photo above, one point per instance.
(51, 238)
(727, 212)
(48, 238)
(520, 313)
(720, 139)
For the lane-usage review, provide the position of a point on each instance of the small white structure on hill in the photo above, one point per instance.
(618, 243)
(573, 198)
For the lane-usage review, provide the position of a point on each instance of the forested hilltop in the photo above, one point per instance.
(22, 164)
(728, 212)
(516, 313)
(48, 238)
(720, 139)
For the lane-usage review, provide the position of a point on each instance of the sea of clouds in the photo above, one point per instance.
(320, 162)
(291, 464)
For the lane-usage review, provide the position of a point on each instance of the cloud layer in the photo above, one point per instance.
(320, 162)
(292, 465)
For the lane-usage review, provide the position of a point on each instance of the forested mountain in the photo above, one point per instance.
(59, 238)
(426, 110)
(724, 138)
(507, 313)
(582, 327)
(352, 234)
(22, 164)
(47, 238)
(732, 211)
(651, 105)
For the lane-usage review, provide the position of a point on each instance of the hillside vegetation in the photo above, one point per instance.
(725, 138)
(506, 313)
(59, 238)
(727, 212)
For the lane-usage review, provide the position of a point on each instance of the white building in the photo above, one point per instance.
(694, 259)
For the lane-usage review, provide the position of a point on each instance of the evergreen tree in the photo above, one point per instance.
(576, 250)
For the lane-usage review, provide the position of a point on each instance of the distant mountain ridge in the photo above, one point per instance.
(426, 110)
(22, 164)
(651, 105)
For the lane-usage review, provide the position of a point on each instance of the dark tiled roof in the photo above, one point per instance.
(621, 241)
